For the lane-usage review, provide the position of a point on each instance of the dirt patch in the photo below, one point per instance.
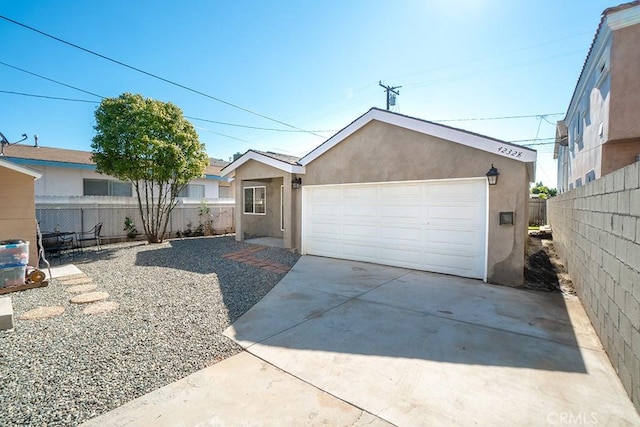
(544, 271)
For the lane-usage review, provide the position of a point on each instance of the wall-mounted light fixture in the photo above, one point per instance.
(492, 175)
(296, 183)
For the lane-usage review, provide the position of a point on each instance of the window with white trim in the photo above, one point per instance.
(192, 191)
(224, 192)
(105, 187)
(255, 200)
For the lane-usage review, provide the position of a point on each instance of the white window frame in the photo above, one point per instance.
(110, 187)
(244, 200)
(189, 188)
(224, 189)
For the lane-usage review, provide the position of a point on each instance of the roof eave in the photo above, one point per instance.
(22, 169)
(252, 155)
(495, 146)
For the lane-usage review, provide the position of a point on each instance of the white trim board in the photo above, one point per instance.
(489, 145)
(14, 167)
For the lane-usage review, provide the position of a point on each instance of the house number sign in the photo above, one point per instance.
(510, 152)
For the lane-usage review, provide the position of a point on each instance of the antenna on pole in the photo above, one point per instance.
(3, 142)
(391, 93)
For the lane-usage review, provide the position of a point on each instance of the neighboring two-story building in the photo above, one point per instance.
(601, 130)
(72, 173)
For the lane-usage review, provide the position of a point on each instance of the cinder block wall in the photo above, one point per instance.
(596, 231)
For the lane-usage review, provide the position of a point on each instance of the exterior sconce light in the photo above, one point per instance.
(492, 175)
(296, 183)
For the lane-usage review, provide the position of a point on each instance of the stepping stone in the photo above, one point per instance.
(71, 277)
(42, 313)
(77, 281)
(89, 297)
(81, 288)
(100, 307)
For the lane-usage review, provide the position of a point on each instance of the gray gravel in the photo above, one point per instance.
(175, 300)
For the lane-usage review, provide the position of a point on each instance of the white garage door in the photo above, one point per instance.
(437, 226)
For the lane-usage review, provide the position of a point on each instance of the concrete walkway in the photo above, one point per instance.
(347, 343)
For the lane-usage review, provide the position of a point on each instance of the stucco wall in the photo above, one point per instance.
(380, 152)
(17, 209)
(617, 155)
(256, 173)
(625, 84)
(596, 231)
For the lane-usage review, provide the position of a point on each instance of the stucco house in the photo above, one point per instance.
(600, 132)
(72, 173)
(394, 190)
(17, 205)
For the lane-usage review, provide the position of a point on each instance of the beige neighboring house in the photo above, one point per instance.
(394, 190)
(71, 173)
(601, 130)
(17, 205)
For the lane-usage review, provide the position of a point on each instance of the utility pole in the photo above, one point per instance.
(390, 90)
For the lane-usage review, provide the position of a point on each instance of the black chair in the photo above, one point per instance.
(57, 245)
(92, 235)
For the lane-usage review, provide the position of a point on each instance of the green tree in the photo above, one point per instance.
(150, 144)
(543, 191)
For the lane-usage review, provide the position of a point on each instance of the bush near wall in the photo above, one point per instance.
(596, 230)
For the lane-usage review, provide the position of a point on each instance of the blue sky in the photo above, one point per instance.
(311, 65)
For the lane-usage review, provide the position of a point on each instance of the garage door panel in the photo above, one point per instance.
(432, 226)
(324, 229)
(450, 263)
(397, 256)
(363, 232)
(359, 252)
(325, 247)
(453, 237)
(360, 211)
(454, 189)
(392, 191)
(402, 211)
(325, 209)
(460, 212)
(409, 235)
(357, 192)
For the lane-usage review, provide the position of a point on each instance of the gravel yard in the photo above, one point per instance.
(175, 299)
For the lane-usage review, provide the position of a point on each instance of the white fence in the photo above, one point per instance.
(82, 213)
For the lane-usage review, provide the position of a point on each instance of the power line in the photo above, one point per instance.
(187, 117)
(155, 76)
(51, 80)
(292, 130)
(57, 98)
(221, 134)
(498, 118)
(256, 127)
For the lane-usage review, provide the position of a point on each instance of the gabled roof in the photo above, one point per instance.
(75, 159)
(470, 139)
(27, 171)
(280, 161)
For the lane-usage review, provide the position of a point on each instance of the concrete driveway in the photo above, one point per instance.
(348, 343)
(417, 348)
